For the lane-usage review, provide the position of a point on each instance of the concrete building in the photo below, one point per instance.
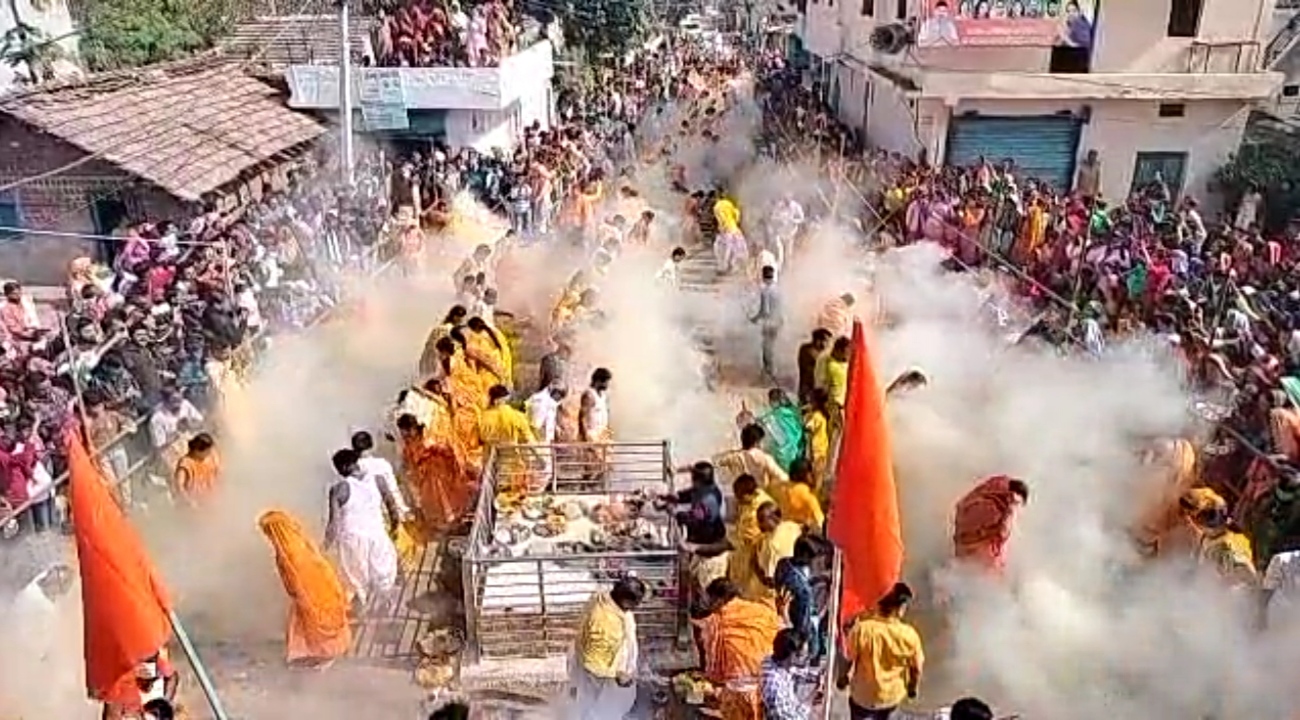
(1154, 86)
(481, 107)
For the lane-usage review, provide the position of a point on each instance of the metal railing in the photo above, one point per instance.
(135, 440)
(525, 599)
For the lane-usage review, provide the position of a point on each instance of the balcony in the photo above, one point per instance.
(1231, 56)
(316, 87)
(1097, 86)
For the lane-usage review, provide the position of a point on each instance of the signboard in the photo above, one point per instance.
(971, 23)
(381, 86)
(385, 117)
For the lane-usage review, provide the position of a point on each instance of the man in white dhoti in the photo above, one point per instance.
(543, 414)
(356, 531)
(603, 666)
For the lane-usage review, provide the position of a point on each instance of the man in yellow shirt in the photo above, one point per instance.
(746, 534)
(777, 544)
(833, 376)
(801, 504)
(602, 670)
(507, 428)
(885, 659)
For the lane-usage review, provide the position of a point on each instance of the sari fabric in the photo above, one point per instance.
(736, 639)
(318, 627)
(784, 429)
(983, 523)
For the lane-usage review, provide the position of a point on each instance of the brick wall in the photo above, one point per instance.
(63, 203)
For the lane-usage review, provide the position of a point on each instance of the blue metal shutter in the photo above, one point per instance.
(1042, 146)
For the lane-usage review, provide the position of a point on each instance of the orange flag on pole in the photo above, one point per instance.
(864, 520)
(124, 606)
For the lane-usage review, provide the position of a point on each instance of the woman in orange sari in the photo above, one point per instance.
(983, 523)
(736, 635)
(436, 476)
(319, 630)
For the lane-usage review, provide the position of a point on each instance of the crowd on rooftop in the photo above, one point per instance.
(446, 33)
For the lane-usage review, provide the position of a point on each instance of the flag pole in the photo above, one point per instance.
(200, 672)
(832, 637)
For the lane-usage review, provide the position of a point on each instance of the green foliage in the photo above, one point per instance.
(132, 33)
(1269, 163)
(606, 29)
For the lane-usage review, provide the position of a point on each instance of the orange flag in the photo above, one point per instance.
(864, 522)
(124, 606)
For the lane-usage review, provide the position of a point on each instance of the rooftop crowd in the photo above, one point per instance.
(446, 33)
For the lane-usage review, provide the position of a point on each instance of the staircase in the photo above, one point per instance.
(1283, 42)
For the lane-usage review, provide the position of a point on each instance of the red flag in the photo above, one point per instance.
(124, 606)
(864, 522)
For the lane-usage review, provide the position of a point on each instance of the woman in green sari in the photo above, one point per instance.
(783, 424)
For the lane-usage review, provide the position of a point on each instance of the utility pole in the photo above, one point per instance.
(345, 95)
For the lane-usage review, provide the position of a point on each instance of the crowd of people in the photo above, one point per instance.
(149, 335)
(446, 34)
(1101, 266)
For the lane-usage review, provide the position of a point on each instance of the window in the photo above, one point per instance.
(11, 216)
(1171, 110)
(1185, 17)
(868, 8)
(1070, 60)
(900, 10)
(1291, 91)
(1170, 167)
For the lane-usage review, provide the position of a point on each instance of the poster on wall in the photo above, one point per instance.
(993, 23)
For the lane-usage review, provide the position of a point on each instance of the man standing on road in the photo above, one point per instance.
(769, 320)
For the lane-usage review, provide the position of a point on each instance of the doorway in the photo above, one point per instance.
(108, 214)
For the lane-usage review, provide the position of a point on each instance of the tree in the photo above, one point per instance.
(131, 33)
(606, 29)
(1266, 160)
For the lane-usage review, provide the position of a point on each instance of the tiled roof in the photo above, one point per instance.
(188, 128)
(280, 41)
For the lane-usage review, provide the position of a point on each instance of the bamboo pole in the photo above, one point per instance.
(200, 671)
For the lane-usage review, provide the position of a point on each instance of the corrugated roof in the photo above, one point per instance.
(187, 128)
(280, 41)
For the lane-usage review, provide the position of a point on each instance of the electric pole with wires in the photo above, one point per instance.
(345, 94)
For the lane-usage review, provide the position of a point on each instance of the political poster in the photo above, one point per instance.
(993, 23)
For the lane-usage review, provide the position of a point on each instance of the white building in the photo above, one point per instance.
(1152, 85)
(482, 108)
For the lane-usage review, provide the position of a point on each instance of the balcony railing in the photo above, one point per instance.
(1225, 57)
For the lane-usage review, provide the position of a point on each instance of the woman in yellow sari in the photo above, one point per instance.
(1032, 234)
(429, 357)
(491, 343)
(737, 635)
(467, 398)
(569, 300)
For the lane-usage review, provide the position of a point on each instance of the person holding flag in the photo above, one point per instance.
(126, 611)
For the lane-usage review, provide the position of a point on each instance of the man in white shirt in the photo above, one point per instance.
(480, 262)
(170, 427)
(668, 274)
(1280, 585)
(544, 411)
(380, 471)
